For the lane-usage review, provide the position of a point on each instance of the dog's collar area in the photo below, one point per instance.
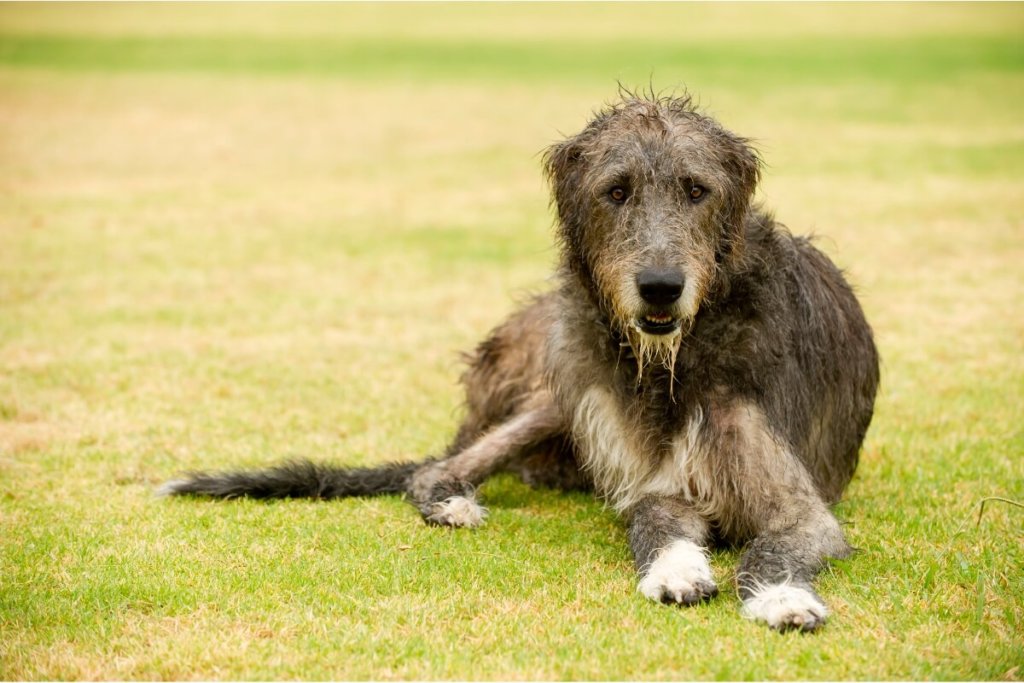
(617, 340)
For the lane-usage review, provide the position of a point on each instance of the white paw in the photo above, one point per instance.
(680, 574)
(784, 607)
(457, 511)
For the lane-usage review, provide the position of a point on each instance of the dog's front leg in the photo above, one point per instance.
(776, 571)
(774, 501)
(668, 541)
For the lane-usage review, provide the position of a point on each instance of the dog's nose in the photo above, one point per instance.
(660, 286)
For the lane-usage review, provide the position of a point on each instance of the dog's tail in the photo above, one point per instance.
(296, 479)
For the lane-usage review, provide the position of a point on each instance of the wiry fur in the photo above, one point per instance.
(733, 409)
(297, 479)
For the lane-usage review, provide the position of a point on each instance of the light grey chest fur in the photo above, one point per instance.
(625, 469)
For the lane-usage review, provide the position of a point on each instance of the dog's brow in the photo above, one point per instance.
(609, 175)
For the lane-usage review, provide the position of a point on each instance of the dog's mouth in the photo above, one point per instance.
(658, 323)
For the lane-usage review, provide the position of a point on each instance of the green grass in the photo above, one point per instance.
(234, 234)
(812, 61)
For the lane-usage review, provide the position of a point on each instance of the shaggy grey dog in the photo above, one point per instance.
(708, 374)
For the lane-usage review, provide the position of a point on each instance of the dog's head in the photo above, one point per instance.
(652, 197)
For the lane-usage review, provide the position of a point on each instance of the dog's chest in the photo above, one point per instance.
(627, 462)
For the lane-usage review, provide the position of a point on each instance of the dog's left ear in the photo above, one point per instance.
(743, 167)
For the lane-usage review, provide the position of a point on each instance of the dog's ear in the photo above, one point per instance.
(743, 167)
(563, 165)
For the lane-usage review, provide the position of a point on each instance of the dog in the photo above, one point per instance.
(707, 374)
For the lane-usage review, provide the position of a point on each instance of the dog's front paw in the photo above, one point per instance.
(457, 511)
(785, 607)
(679, 575)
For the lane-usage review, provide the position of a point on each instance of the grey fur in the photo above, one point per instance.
(736, 411)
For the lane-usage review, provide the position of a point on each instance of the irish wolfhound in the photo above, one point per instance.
(709, 374)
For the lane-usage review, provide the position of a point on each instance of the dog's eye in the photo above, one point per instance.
(697, 193)
(618, 194)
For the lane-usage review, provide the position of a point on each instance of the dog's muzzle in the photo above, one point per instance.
(660, 288)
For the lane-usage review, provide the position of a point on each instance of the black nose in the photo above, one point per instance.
(660, 286)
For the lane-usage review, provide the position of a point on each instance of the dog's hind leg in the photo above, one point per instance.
(552, 464)
(668, 539)
(444, 491)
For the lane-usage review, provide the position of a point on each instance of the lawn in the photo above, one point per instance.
(235, 234)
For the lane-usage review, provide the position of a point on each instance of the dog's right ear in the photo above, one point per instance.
(563, 165)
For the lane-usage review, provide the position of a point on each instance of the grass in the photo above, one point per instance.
(233, 234)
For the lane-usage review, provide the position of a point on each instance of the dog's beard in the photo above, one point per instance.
(653, 350)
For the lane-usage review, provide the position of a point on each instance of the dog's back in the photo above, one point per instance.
(839, 361)
(818, 372)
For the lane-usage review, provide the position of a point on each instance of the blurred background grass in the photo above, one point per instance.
(235, 233)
